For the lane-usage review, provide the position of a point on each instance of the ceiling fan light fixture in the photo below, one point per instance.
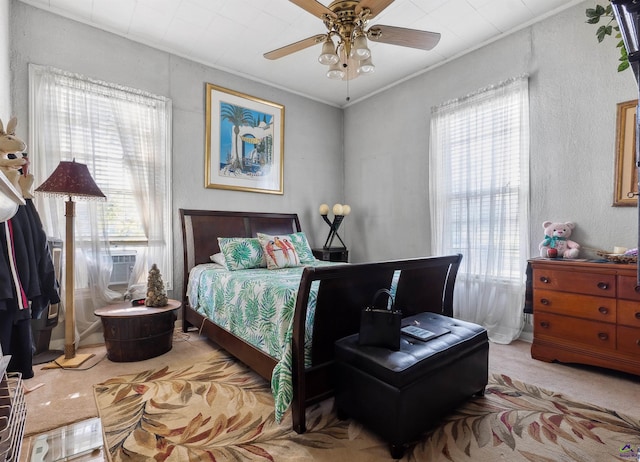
(366, 66)
(335, 72)
(345, 44)
(360, 50)
(328, 56)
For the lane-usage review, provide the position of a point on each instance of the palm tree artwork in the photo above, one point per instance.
(246, 136)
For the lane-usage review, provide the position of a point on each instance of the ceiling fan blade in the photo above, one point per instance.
(421, 39)
(375, 6)
(297, 46)
(314, 7)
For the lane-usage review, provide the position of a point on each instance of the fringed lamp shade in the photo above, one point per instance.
(71, 179)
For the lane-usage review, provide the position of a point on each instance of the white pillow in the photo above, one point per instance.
(219, 259)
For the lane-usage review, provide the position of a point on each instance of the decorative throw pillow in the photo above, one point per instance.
(242, 253)
(300, 243)
(279, 252)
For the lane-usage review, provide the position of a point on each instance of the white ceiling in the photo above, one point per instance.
(232, 35)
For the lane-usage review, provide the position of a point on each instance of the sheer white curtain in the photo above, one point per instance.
(479, 202)
(123, 135)
(142, 140)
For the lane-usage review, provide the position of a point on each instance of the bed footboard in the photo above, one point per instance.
(425, 284)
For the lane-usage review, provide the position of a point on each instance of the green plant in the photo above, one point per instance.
(606, 14)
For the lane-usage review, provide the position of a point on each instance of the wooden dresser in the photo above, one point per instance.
(586, 313)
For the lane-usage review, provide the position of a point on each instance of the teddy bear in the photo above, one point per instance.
(12, 159)
(556, 241)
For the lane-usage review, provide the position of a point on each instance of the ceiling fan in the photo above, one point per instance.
(346, 20)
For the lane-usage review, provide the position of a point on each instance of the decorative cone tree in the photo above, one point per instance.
(156, 295)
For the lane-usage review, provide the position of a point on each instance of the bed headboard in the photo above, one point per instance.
(202, 228)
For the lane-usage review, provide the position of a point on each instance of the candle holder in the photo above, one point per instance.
(339, 211)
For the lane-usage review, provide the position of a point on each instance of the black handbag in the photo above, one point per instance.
(380, 327)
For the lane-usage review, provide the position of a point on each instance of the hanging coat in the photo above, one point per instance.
(27, 284)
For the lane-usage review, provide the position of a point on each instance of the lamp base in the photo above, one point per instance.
(71, 363)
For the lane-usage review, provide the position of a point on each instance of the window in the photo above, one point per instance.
(105, 151)
(124, 137)
(479, 193)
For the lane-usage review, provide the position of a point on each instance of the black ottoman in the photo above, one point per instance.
(401, 394)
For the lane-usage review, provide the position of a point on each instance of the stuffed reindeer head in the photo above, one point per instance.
(11, 144)
(11, 160)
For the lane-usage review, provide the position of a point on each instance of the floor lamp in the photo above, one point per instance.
(71, 180)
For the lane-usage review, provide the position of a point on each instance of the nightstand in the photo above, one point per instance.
(134, 333)
(332, 254)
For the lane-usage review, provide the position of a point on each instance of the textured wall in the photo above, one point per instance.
(5, 76)
(313, 162)
(574, 89)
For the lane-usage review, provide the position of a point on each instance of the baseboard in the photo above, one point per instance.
(527, 331)
(526, 336)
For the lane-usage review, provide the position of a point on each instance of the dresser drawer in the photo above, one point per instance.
(581, 306)
(629, 340)
(627, 288)
(602, 285)
(592, 333)
(629, 313)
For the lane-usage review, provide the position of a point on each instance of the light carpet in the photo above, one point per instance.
(218, 410)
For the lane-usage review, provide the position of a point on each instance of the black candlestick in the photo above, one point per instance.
(333, 233)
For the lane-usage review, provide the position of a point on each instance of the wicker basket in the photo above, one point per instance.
(617, 258)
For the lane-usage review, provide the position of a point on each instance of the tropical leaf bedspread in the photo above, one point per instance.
(257, 305)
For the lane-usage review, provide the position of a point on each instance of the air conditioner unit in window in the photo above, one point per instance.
(123, 263)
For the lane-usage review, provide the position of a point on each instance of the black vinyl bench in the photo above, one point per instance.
(401, 394)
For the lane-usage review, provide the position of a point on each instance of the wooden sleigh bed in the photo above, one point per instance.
(343, 290)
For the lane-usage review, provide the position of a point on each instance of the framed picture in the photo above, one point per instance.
(244, 142)
(626, 178)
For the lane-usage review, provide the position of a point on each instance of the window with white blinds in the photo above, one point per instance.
(481, 153)
(485, 181)
(121, 220)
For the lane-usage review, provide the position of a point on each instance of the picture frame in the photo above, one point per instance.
(244, 142)
(626, 173)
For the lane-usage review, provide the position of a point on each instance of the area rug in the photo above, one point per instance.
(218, 410)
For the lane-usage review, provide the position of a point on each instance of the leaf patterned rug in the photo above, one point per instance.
(218, 410)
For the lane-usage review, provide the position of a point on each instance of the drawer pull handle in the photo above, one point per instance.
(637, 289)
(637, 314)
(603, 310)
(544, 324)
(603, 285)
(545, 279)
(638, 342)
(544, 301)
(603, 336)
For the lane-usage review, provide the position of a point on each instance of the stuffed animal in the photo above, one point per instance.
(11, 159)
(556, 243)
